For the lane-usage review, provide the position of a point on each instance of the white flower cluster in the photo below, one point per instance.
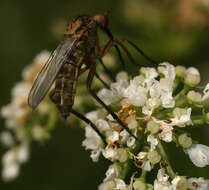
(179, 182)
(155, 106)
(15, 137)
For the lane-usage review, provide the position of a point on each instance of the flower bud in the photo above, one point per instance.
(193, 97)
(139, 185)
(192, 77)
(122, 154)
(180, 71)
(154, 157)
(185, 141)
(152, 127)
(122, 76)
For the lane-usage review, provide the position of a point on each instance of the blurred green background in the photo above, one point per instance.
(174, 31)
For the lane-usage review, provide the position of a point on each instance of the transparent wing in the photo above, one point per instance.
(49, 72)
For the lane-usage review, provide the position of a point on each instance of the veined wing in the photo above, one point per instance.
(49, 72)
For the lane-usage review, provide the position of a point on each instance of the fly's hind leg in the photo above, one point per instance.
(92, 125)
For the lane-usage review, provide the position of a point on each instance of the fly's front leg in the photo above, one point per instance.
(87, 121)
(89, 83)
(140, 51)
(116, 42)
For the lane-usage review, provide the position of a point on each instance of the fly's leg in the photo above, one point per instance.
(111, 43)
(87, 121)
(89, 83)
(140, 51)
(109, 34)
(103, 82)
(120, 43)
(82, 70)
(106, 70)
(82, 117)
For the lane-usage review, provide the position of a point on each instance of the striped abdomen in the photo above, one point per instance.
(65, 87)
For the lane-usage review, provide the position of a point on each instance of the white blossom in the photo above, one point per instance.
(199, 155)
(92, 142)
(166, 132)
(162, 183)
(110, 153)
(7, 139)
(182, 117)
(153, 142)
(136, 93)
(167, 70)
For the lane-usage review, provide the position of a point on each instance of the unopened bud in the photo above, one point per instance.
(180, 71)
(185, 141)
(139, 185)
(152, 127)
(194, 97)
(154, 157)
(122, 155)
(192, 77)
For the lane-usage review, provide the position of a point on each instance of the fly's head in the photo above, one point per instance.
(101, 20)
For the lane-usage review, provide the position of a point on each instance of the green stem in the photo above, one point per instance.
(143, 175)
(182, 92)
(165, 158)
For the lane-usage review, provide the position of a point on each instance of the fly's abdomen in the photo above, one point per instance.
(65, 86)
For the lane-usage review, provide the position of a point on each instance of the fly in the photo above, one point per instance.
(77, 52)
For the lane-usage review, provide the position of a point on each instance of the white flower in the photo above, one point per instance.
(92, 142)
(153, 142)
(182, 117)
(142, 156)
(113, 137)
(102, 125)
(199, 183)
(119, 86)
(6, 139)
(199, 155)
(112, 172)
(136, 93)
(107, 96)
(167, 70)
(23, 153)
(110, 153)
(162, 183)
(166, 132)
(10, 171)
(167, 100)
